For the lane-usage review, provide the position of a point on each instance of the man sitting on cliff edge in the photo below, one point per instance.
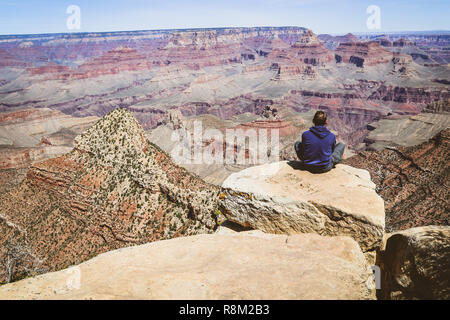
(318, 150)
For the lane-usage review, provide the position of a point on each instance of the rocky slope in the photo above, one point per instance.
(114, 189)
(395, 131)
(413, 182)
(249, 265)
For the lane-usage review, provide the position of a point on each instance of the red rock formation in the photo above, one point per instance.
(264, 46)
(25, 115)
(349, 37)
(402, 43)
(385, 42)
(410, 95)
(121, 59)
(50, 68)
(301, 59)
(15, 158)
(195, 50)
(362, 54)
(293, 71)
(113, 62)
(311, 51)
(332, 42)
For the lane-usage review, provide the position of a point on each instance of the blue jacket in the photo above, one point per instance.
(318, 144)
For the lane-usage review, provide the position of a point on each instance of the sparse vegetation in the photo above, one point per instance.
(117, 194)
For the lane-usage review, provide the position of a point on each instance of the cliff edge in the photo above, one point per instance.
(279, 198)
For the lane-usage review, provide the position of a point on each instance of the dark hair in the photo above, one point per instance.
(320, 118)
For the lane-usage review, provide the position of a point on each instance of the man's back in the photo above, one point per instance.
(318, 149)
(318, 144)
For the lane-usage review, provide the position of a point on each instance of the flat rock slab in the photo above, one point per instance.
(245, 265)
(277, 198)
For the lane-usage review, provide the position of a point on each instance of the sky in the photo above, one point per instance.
(322, 16)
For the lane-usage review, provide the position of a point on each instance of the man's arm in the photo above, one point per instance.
(300, 147)
(305, 141)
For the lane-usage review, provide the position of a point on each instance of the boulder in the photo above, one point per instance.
(242, 265)
(415, 264)
(278, 198)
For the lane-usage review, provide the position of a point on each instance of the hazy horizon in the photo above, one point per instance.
(172, 29)
(322, 16)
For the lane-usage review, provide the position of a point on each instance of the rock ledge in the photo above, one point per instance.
(247, 265)
(277, 198)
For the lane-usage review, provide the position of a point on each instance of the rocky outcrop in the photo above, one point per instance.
(174, 120)
(31, 135)
(332, 42)
(250, 265)
(113, 190)
(402, 43)
(269, 113)
(438, 107)
(293, 70)
(301, 60)
(404, 131)
(410, 95)
(413, 181)
(415, 264)
(310, 50)
(403, 65)
(362, 54)
(277, 198)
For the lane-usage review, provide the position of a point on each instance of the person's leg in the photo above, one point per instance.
(298, 150)
(338, 152)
